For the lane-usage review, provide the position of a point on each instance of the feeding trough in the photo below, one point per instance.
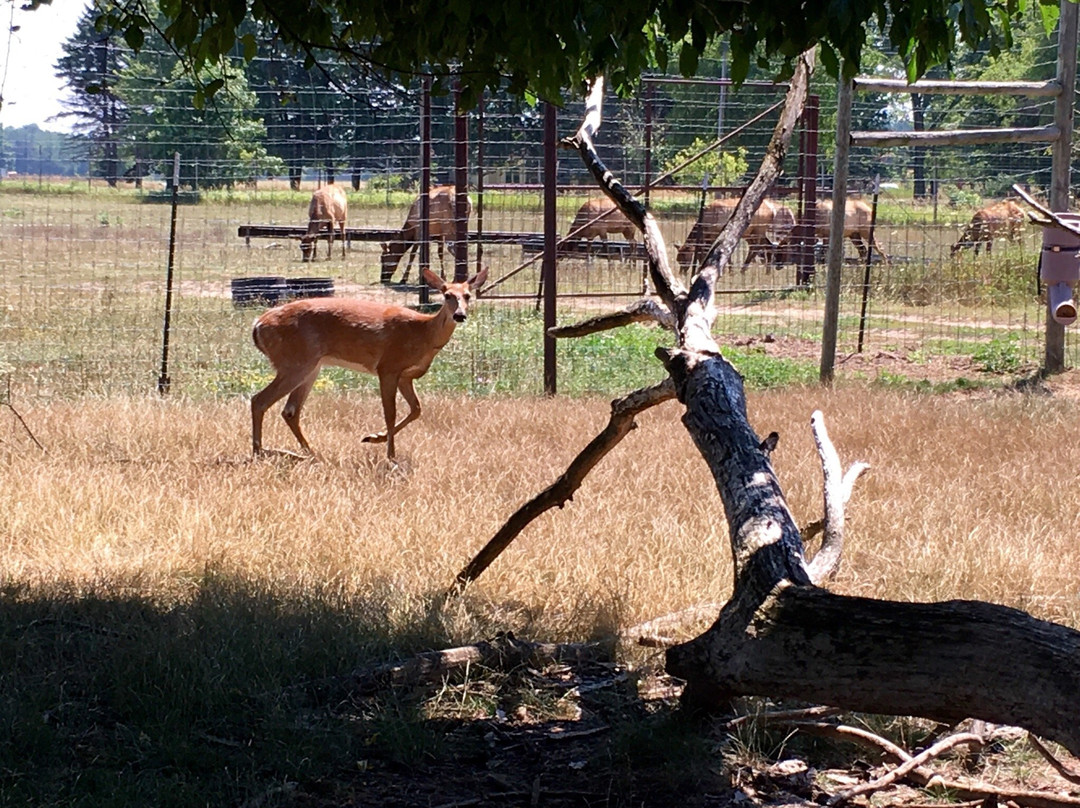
(259, 291)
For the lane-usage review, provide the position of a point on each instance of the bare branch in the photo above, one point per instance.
(1059, 767)
(652, 630)
(669, 287)
(925, 777)
(505, 652)
(936, 750)
(647, 309)
(837, 493)
(1053, 218)
(623, 412)
(19, 418)
(723, 248)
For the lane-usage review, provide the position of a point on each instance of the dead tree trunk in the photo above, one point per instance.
(781, 634)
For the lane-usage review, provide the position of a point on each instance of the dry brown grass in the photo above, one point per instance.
(966, 499)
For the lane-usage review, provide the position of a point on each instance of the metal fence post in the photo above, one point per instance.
(551, 237)
(163, 381)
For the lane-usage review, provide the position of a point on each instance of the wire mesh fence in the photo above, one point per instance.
(82, 272)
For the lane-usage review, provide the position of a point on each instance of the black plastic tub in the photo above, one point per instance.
(259, 291)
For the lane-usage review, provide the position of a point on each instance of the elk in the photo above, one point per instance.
(770, 223)
(392, 342)
(329, 207)
(857, 216)
(997, 220)
(442, 225)
(615, 222)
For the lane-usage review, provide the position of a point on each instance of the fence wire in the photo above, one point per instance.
(82, 272)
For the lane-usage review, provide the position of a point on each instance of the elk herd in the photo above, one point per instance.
(770, 237)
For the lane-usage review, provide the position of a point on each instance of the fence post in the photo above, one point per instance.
(163, 381)
(550, 239)
(461, 189)
(480, 183)
(836, 228)
(425, 189)
(1054, 360)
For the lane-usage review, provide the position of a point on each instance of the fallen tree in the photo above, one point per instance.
(781, 634)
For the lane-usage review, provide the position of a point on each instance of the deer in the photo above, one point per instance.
(392, 342)
(770, 218)
(857, 216)
(997, 220)
(329, 208)
(615, 222)
(442, 225)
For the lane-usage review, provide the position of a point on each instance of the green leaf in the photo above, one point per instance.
(688, 59)
(211, 88)
(134, 37)
(662, 55)
(251, 47)
(830, 60)
(1050, 13)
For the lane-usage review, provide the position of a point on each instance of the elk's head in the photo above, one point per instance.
(307, 248)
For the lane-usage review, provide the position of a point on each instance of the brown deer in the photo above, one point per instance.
(442, 226)
(392, 342)
(857, 216)
(770, 223)
(615, 222)
(997, 220)
(329, 208)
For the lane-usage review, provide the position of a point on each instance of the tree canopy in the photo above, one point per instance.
(545, 49)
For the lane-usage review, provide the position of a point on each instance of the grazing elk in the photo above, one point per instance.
(329, 208)
(615, 222)
(770, 223)
(997, 220)
(442, 226)
(392, 342)
(857, 217)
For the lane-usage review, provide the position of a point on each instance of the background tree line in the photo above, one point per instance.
(275, 116)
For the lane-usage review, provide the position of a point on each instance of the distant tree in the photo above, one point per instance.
(325, 117)
(32, 150)
(221, 142)
(721, 167)
(92, 61)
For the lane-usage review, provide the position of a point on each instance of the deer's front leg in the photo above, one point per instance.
(388, 391)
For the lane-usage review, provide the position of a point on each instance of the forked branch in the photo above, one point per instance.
(838, 490)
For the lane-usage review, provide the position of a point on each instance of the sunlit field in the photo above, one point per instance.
(966, 498)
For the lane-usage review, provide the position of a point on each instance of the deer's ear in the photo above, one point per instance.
(434, 281)
(479, 279)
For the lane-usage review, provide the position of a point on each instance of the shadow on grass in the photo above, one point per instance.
(242, 696)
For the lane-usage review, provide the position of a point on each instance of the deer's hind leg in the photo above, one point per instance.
(284, 383)
(295, 403)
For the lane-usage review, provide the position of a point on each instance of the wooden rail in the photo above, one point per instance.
(530, 242)
(958, 137)
(250, 231)
(1032, 89)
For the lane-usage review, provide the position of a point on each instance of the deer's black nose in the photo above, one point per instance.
(459, 316)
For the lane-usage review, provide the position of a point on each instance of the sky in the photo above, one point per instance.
(31, 91)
